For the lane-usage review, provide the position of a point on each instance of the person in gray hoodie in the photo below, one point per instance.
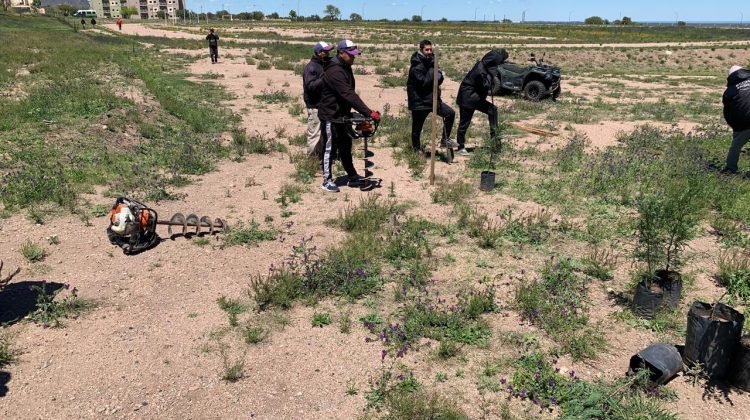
(312, 86)
(473, 92)
(736, 101)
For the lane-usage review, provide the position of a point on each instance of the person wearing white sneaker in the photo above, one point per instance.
(338, 97)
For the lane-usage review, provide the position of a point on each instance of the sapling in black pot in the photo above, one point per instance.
(669, 208)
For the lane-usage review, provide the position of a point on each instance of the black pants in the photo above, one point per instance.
(336, 140)
(419, 116)
(465, 121)
(214, 50)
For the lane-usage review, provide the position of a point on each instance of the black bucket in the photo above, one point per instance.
(662, 360)
(740, 368)
(653, 292)
(487, 181)
(713, 334)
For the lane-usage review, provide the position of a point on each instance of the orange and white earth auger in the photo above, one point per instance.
(132, 225)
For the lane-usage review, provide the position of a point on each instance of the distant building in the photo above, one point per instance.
(106, 8)
(20, 5)
(149, 9)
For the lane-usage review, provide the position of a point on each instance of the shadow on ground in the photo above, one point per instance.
(18, 300)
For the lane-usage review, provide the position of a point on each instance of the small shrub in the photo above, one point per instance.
(422, 405)
(447, 349)
(296, 109)
(273, 96)
(532, 228)
(50, 313)
(251, 235)
(600, 263)
(452, 193)
(321, 319)
(33, 252)
(264, 65)
(232, 307)
(7, 354)
(368, 216)
(289, 193)
(305, 167)
(254, 335)
(558, 304)
(734, 274)
(234, 372)
(345, 323)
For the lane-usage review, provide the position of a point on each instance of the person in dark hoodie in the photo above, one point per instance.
(473, 92)
(312, 85)
(419, 94)
(213, 45)
(736, 101)
(337, 99)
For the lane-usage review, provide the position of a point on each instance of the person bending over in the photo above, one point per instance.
(473, 92)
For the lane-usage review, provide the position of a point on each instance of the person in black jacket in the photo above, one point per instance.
(312, 86)
(736, 101)
(472, 95)
(213, 46)
(337, 99)
(419, 94)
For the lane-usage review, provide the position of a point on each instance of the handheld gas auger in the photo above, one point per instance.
(132, 225)
(363, 127)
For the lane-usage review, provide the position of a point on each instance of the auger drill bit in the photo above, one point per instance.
(193, 223)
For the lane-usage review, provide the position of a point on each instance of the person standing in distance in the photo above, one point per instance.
(419, 94)
(736, 101)
(337, 100)
(473, 92)
(213, 46)
(312, 86)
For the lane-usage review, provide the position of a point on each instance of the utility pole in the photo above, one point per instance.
(523, 16)
(475, 13)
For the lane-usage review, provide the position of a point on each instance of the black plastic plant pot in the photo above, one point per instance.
(662, 289)
(739, 372)
(662, 360)
(487, 181)
(713, 334)
(671, 283)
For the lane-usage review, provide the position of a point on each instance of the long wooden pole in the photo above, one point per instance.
(433, 144)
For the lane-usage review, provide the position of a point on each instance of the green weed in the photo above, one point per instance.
(250, 235)
(32, 252)
(558, 304)
(321, 319)
(50, 312)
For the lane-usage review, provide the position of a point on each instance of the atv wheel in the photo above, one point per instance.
(534, 90)
(556, 93)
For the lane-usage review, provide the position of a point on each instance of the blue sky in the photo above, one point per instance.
(547, 10)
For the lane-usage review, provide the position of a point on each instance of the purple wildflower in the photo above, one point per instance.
(522, 394)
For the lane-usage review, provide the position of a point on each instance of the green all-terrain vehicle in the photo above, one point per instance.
(537, 81)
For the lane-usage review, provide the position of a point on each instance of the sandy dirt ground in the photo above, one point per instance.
(149, 350)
